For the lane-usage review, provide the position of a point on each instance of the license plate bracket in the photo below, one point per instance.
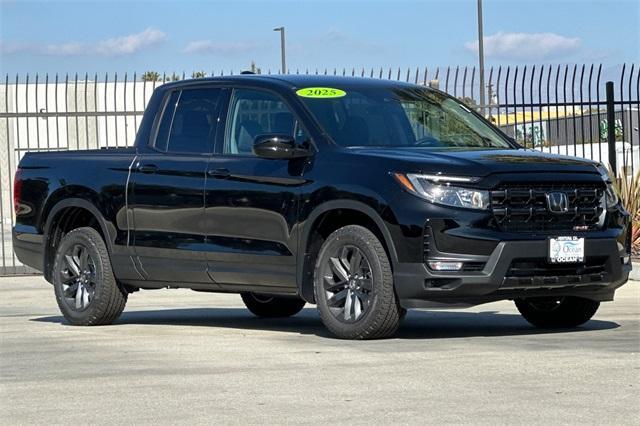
(566, 249)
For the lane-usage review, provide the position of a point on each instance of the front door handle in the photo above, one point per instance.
(148, 168)
(219, 173)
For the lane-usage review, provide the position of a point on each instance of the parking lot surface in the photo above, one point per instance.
(177, 356)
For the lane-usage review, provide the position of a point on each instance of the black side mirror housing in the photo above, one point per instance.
(277, 147)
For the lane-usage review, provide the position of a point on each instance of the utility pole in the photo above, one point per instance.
(282, 54)
(481, 55)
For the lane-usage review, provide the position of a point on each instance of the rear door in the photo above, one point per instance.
(168, 187)
(251, 202)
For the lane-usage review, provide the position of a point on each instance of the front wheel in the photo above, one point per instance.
(353, 286)
(557, 312)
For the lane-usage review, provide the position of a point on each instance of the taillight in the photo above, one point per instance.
(17, 189)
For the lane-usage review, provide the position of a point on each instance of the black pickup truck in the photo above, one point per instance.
(365, 197)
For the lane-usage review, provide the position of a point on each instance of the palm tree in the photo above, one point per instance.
(151, 76)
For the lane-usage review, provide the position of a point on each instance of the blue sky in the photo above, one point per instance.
(101, 36)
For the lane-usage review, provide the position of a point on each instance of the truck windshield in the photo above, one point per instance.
(402, 118)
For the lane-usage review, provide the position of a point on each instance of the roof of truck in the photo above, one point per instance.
(298, 81)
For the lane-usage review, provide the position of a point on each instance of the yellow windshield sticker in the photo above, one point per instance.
(320, 92)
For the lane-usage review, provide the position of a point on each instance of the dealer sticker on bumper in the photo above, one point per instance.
(566, 250)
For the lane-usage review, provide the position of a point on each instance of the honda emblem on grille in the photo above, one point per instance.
(557, 202)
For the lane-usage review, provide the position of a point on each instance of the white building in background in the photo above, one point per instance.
(81, 120)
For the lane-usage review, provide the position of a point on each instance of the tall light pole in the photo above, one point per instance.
(481, 55)
(282, 54)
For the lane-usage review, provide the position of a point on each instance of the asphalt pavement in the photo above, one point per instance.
(177, 356)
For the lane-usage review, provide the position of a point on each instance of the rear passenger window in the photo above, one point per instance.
(189, 122)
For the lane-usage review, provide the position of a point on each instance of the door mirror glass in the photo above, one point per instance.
(277, 146)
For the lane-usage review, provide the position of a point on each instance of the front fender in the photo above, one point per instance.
(306, 290)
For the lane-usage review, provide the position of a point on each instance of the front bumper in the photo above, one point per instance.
(418, 287)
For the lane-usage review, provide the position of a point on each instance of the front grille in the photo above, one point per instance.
(538, 273)
(524, 208)
(526, 267)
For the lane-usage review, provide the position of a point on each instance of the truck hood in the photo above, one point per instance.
(479, 162)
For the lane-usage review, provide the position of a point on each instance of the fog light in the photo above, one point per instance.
(445, 266)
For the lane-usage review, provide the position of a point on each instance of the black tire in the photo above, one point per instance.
(106, 298)
(557, 312)
(267, 306)
(369, 285)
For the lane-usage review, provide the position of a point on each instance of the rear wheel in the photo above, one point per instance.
(557, 312)
(86, 289)
(264, 305)
(353, 286)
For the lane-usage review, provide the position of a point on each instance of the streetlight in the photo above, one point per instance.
(481, 55)
(284, 62)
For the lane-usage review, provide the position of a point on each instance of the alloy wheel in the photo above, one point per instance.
(261, 298)
(78, 277)
(348, 283)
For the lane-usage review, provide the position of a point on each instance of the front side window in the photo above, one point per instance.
(417, 117)
(253, 113)
(189, 121)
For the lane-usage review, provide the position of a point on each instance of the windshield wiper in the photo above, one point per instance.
(428, 141)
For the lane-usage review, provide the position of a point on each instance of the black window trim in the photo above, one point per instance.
(158, 119)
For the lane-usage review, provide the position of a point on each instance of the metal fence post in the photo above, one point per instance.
(611, 128)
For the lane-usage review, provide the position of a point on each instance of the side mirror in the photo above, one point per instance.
(277, 146)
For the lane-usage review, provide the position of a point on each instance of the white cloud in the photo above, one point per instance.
(335, 37)
(62, 49)
(117, 46)
(131, 43)
(526, 46)
(8, 47)
(215, 48)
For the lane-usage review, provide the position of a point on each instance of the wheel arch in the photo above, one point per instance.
(354, 213)
(81, 212)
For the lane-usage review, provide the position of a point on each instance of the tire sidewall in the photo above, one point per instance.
(79, 236)
(348, 236)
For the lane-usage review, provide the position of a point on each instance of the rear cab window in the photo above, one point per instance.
(189, 121)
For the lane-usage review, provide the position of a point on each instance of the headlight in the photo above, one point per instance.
(438, 189)
(611, 194)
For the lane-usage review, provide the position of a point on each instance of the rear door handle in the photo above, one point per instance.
(219, 173)
(148, 168)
